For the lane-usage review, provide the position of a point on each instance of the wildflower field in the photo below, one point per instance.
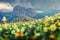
(47, 28)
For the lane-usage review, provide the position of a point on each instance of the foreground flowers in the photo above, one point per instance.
(47, 28)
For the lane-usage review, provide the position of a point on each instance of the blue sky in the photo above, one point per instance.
(42, 5)
(46, 4)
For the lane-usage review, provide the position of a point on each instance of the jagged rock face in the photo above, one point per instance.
(18, 10)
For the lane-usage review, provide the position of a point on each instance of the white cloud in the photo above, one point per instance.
(39, 11)
(5, 7)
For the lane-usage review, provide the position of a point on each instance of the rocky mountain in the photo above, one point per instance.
(21, 11)
(18, 12)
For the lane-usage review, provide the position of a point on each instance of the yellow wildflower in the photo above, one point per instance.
(57, 22)
(45, 29)
(46, 24)
(53, 27)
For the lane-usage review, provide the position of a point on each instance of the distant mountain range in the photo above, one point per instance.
(47, 13)
(29, 13)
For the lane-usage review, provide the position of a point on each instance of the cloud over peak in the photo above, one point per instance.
(5, 7)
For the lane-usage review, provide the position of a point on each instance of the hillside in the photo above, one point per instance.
(23, 18)
(47, 28)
